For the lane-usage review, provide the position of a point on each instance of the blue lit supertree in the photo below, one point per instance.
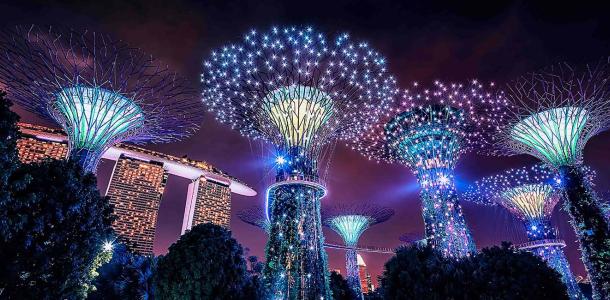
(298, 91)
(530, 193)
(100, 91)
(428, 130)
(350, 221)
(553, 114)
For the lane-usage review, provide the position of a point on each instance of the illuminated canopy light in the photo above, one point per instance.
(530, 193)
(299, 91)
(350, 221)
(298, 112)
(96, 116)
(423, 138)
(556, 134)
(98, 90)
(531, 201)
(296, 89)
(428, 130)
(350, 227)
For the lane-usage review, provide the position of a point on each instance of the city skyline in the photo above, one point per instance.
(466, 44)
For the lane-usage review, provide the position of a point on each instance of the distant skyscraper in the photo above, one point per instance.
(365, 278)
(135, 190)
(208, 201)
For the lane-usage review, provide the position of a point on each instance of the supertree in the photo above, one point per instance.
(428, 129)
(255, 216)
(350, 221)
(292, 88)
(553, 114)
(530, 193)
(411, 238)
(100, 91)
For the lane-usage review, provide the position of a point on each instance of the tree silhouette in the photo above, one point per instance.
(205, 263)
(417, 272)
(340, 288)
(52, 228)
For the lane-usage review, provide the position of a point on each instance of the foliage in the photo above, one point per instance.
(51, 231)
(503, 273)
(9, 133)
(126, 276)
(418, 272)
(205, 263)
(340, 288)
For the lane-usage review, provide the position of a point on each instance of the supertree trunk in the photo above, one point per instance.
(88, 159)
(555, 258)
(591, 228)
(445, 225)
(296, 265)
(541, 230)
(353, 276)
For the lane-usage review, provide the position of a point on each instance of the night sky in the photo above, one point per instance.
(422, 42)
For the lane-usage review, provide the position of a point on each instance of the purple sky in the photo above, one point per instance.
(423, 42)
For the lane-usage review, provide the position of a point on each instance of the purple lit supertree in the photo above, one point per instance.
(530, 193)
(411, 238)
(255, 216)
(100, 91)
(350, 221)
(300, 92)
(553, 114)
(428, 129)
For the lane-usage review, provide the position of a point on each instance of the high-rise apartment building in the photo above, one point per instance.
(365, 277)
(135, 190)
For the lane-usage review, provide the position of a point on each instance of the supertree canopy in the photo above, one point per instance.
(100, 91)
(553, 114)
(350, 221)
(299, 91)
(530, 193)
(255, 216)
(428, 129)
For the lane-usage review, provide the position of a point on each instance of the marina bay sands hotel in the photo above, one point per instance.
(138, 181)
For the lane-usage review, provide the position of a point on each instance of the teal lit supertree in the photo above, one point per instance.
(553, 114)
(428, 130)
(530, 193)
(100, 91)
(300, 92)
(350, 221)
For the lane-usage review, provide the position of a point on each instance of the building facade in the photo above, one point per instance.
(208, 201)
(33, 149)
(135, 191)
(365, 277)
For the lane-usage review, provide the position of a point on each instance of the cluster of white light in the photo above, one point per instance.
(290, 85)
(529, 192)
(430, 128)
